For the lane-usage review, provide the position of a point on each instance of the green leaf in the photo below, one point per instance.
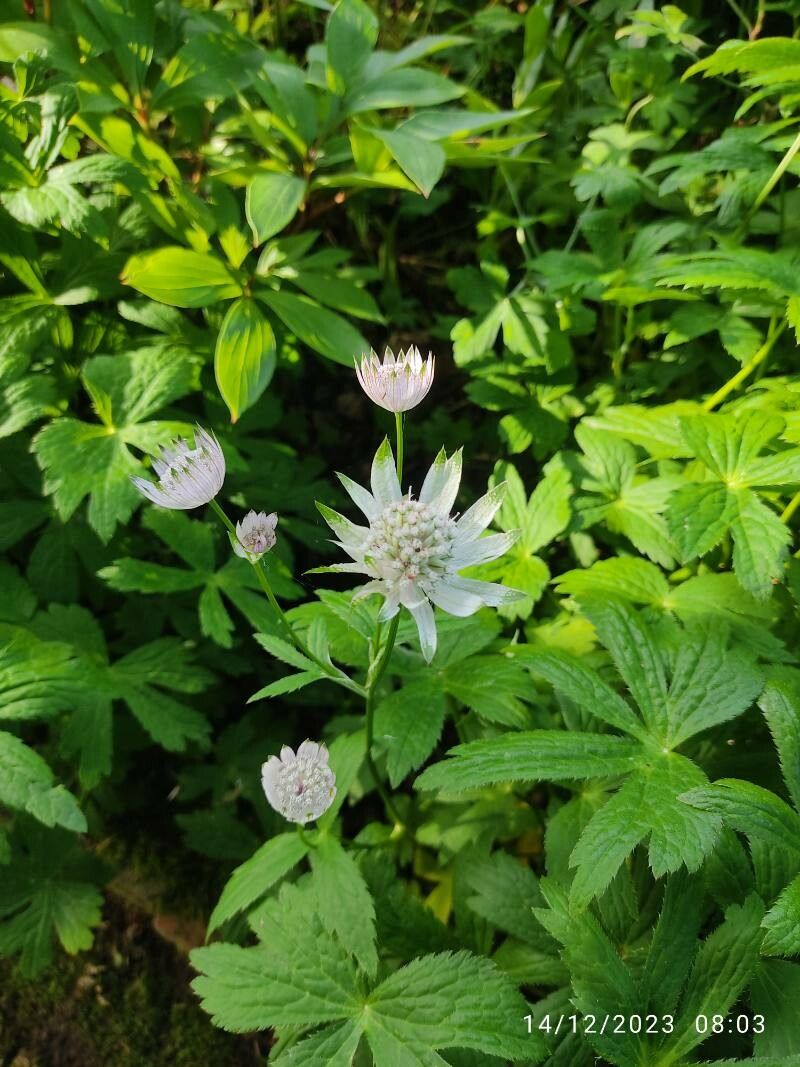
(317, 327)
(50, 890)
(710, 683)
(402, 88)
(408, 723)
(250, 881)
(698, 517)
(492, 686)
(343, 900)
(535, 756)
(724, 965)
(181, 277)
(83, 459)
(505, 894)
(760, 544)
(299, 976)
(780, 703)
(350, 36)
(26, 783)
(750, 809)
(647, 806)
(422, 161)
(625, 577)
(673, 945)
(272, 202)
(441, 1001)
(285, 652)
(636, 656)
(774, 993)
(244, 357)
(575, 680)
(782, 923)
(345, 756)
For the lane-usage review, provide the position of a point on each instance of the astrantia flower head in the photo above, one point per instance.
(413, 550)
(187, 477)
(256, 534)
(300, 786)
(398, 383)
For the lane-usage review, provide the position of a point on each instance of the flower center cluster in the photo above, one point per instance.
(410, 540)
(304, 789)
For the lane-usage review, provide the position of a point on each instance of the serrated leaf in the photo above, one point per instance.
(408, 724)
(250, 881)
(750, 809)
(698, 517)
(571, 677)
(782, 923)
(26, 783)
(343, 900)
(535, 756)
(724, 965)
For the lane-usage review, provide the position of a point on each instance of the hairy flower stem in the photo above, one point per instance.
(775, 331)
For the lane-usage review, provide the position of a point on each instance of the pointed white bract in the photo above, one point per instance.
(301, 786)
(413, 550)
(397, 383)
(187, 477)
(256, 534)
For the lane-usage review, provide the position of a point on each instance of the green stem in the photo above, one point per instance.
(376, 672)
(775, 331)
(791, 508)
(304, 837)
(263, 581)
(398, 425)
(776, 175)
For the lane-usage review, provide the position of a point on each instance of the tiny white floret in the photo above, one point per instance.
(187, 477)
(300, 786)
(256, 535)
(398, 383)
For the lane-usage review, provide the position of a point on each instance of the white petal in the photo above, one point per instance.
(441, 482)
(383, 479)
(426, 626)
(287, 754)
(482, 550)
(451, 599)
(475, 519)
(361, 497)
(491, 593)
(344, 529)
(309, 749)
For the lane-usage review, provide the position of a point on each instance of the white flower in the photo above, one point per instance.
(187, 477)
(413, 550)
(256, 533)
(301, 787)
(397, 384)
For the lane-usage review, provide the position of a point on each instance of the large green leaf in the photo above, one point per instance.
(244, 358)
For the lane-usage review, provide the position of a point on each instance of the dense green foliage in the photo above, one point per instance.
(587, 806)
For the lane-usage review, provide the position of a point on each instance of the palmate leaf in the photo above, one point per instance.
(51, 890)
(303, 976)
(678, 694)
(701, 513)
(26, 783)
(93, 460)
(194, 543)
(139, 679)
(344, 903)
